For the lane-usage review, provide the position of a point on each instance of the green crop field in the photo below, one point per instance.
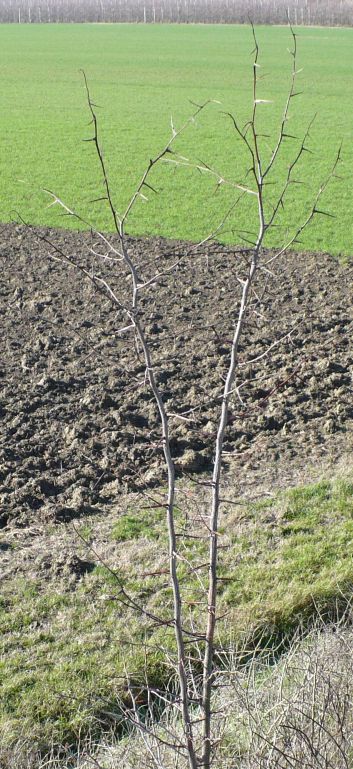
(140, 75)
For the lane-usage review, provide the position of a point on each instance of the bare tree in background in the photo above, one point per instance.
(194, 691)
(302, 12)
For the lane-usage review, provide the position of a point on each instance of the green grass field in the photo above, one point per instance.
(140, 76)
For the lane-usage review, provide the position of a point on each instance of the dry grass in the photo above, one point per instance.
(289, 713)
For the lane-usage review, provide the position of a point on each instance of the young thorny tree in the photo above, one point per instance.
(193, 698)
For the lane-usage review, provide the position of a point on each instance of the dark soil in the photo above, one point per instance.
(78, 423)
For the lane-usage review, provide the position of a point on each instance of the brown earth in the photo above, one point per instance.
(78, 423)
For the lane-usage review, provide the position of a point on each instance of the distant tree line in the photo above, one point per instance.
(307, 12)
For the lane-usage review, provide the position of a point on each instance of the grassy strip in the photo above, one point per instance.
(295, 558)
(141, 75)
(64, 651)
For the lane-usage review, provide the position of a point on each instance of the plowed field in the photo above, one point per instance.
(78, 423)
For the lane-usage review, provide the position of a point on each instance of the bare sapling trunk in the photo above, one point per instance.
(259, 170)
(194, 702)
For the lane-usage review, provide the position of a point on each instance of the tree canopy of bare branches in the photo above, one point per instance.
(194, 638)
(301, 12)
